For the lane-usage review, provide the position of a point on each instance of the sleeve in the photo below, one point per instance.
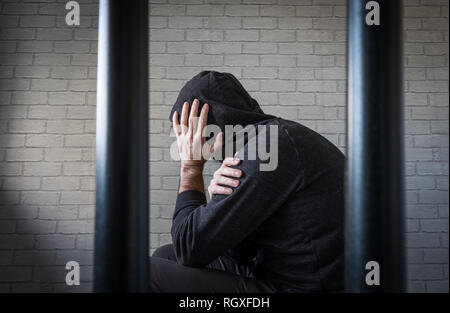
(203, 231)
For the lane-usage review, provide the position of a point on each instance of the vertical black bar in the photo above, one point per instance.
(121, 229)
(375, 191)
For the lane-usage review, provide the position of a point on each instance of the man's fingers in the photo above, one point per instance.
(227, 171)
(225, 181)
(192, 116)
(217, 143)
(176, 124)
(218, 190)
(184, 117)
(230, 161)
(203, 119)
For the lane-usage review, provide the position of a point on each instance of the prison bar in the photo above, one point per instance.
(375, 191)
(121, 227)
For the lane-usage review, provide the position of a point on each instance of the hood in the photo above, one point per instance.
(229, 103)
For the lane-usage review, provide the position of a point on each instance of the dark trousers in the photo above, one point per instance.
(223, 275)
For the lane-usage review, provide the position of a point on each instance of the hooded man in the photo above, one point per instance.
(273, 229)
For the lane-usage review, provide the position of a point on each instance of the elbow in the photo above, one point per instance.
(191, 262)
(187, 250)
(188, 256)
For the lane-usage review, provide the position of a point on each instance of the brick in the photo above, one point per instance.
(75, 227)
(69, 72)
(277, 10)
(205, 10)
(433, 196)
(329, 23)
(82, 257)
(422, 11)
(423, 271)
(71, 47)
(166, 35)
(44, 141)
(60, 212)
(313, 60)
(34, 258)
(85, 242)
(431, 141)
(440, 286)
(65, 126)
(15, 274)
(79, 141)
(56, 241)
(51, 59)
(259, 48)
(37, 21)
(77, 197)
(21, 183)
(82, 85)
(222, 48)
(46, 112)
(241, 35)
(24, 154)
(432, 168)
(183, 47)
(278, 35)
(222, 22)
(60, 183)
(316, 11)
(81, 112)
(295, 23)
(419, 154)
(422, 240)
(241, 60)
(297, 99)
(434, 226)
(278, 60)
(259, 22)
(14, 84)
(317, 86)
(439, 99)
(428, 86)
(166, 60)
(36, 227)
(17, 33)
(436, 255)
(16, 242)
(242, 10)
(260, 72)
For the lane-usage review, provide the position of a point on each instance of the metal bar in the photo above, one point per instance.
(121, 229)
(375, 188)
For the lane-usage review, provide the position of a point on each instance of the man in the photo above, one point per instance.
(277, 230)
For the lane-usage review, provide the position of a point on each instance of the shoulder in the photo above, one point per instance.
(270, 149)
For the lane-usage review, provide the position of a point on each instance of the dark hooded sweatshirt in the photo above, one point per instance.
(287, 223)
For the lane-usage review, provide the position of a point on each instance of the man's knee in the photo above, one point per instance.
(165, 252)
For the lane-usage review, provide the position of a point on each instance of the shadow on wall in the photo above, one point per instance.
(31, 258)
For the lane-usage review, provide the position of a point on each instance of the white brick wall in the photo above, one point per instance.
(289, 53)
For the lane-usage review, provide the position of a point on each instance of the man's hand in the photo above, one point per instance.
(192, 146)
(222, 178)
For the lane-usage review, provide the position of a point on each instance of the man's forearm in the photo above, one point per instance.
(191, 178)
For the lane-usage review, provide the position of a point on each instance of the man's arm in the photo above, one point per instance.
(191, 178)
(203, 231)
